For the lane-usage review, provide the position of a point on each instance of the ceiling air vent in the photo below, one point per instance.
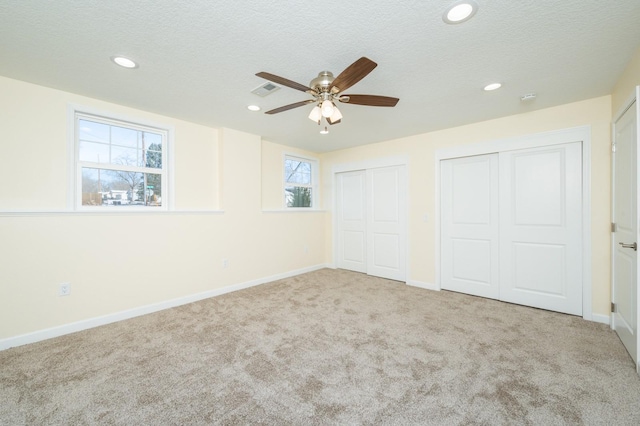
(265, 89)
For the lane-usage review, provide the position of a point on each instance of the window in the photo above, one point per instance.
(119, 165)
(299, 182)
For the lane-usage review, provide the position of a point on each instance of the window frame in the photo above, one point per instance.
(314, 181)
(74, 198)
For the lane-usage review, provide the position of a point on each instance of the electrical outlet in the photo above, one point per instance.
(225, 263)
(65, 289)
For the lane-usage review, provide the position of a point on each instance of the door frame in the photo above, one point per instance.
(373, 163)
(634, 97)
(556, 137)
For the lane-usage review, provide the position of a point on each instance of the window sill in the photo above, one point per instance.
(293, 210)
(23, 213)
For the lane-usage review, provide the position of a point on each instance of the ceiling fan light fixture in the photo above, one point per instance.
(327, 108)
(315, 114)
(324, 131)
(336, 116)
(460, 11)
(253, 108)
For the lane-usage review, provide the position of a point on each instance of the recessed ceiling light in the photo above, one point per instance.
(124, 62)
(460, 11)
(492, 86)
(253, 108)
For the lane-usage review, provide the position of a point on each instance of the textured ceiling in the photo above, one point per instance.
(198, 58)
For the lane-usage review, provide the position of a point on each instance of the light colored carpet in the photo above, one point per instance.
(328, 347)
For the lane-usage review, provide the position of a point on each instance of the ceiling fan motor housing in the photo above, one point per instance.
(322, 82)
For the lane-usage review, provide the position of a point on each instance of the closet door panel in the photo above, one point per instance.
(352, 240)
(386, 205)
(469, 225)
(540, 227)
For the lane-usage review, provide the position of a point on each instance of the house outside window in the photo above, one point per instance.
(119, 165)
(300, 182)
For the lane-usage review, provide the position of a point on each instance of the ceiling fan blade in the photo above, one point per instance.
(285, 82)
(353, 74)
(290, 106)
(333, 122)
(370, 100)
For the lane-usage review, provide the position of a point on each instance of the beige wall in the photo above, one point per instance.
(626, 84)
(421, 151)
(117, 262)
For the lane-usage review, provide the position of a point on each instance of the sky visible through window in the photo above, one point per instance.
(297, 171)
(108, 144)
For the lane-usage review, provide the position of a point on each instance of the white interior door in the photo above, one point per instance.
(625, 217)
(386, 205)
(469, 225)
(541, 227)
(352, 221)
(371, 221)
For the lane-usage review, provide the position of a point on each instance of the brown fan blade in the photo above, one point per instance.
(283, 81)
(370, 100)
(353, 74)
(290, 106)
(333, 122)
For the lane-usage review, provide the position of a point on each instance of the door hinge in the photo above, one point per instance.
(613, 307)
(614, 227)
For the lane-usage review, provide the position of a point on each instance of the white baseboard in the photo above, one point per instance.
(420, 284)
(604, 319)
(73, 327)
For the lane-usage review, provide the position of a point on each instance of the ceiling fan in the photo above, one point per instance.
(326, 90)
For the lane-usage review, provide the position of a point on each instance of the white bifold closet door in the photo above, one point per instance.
(469, 225)
(352, 221)
(371, 217)
(511, 226)
(541, 227)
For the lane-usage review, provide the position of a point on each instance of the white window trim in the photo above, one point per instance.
(74, 195)
(315, 174)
